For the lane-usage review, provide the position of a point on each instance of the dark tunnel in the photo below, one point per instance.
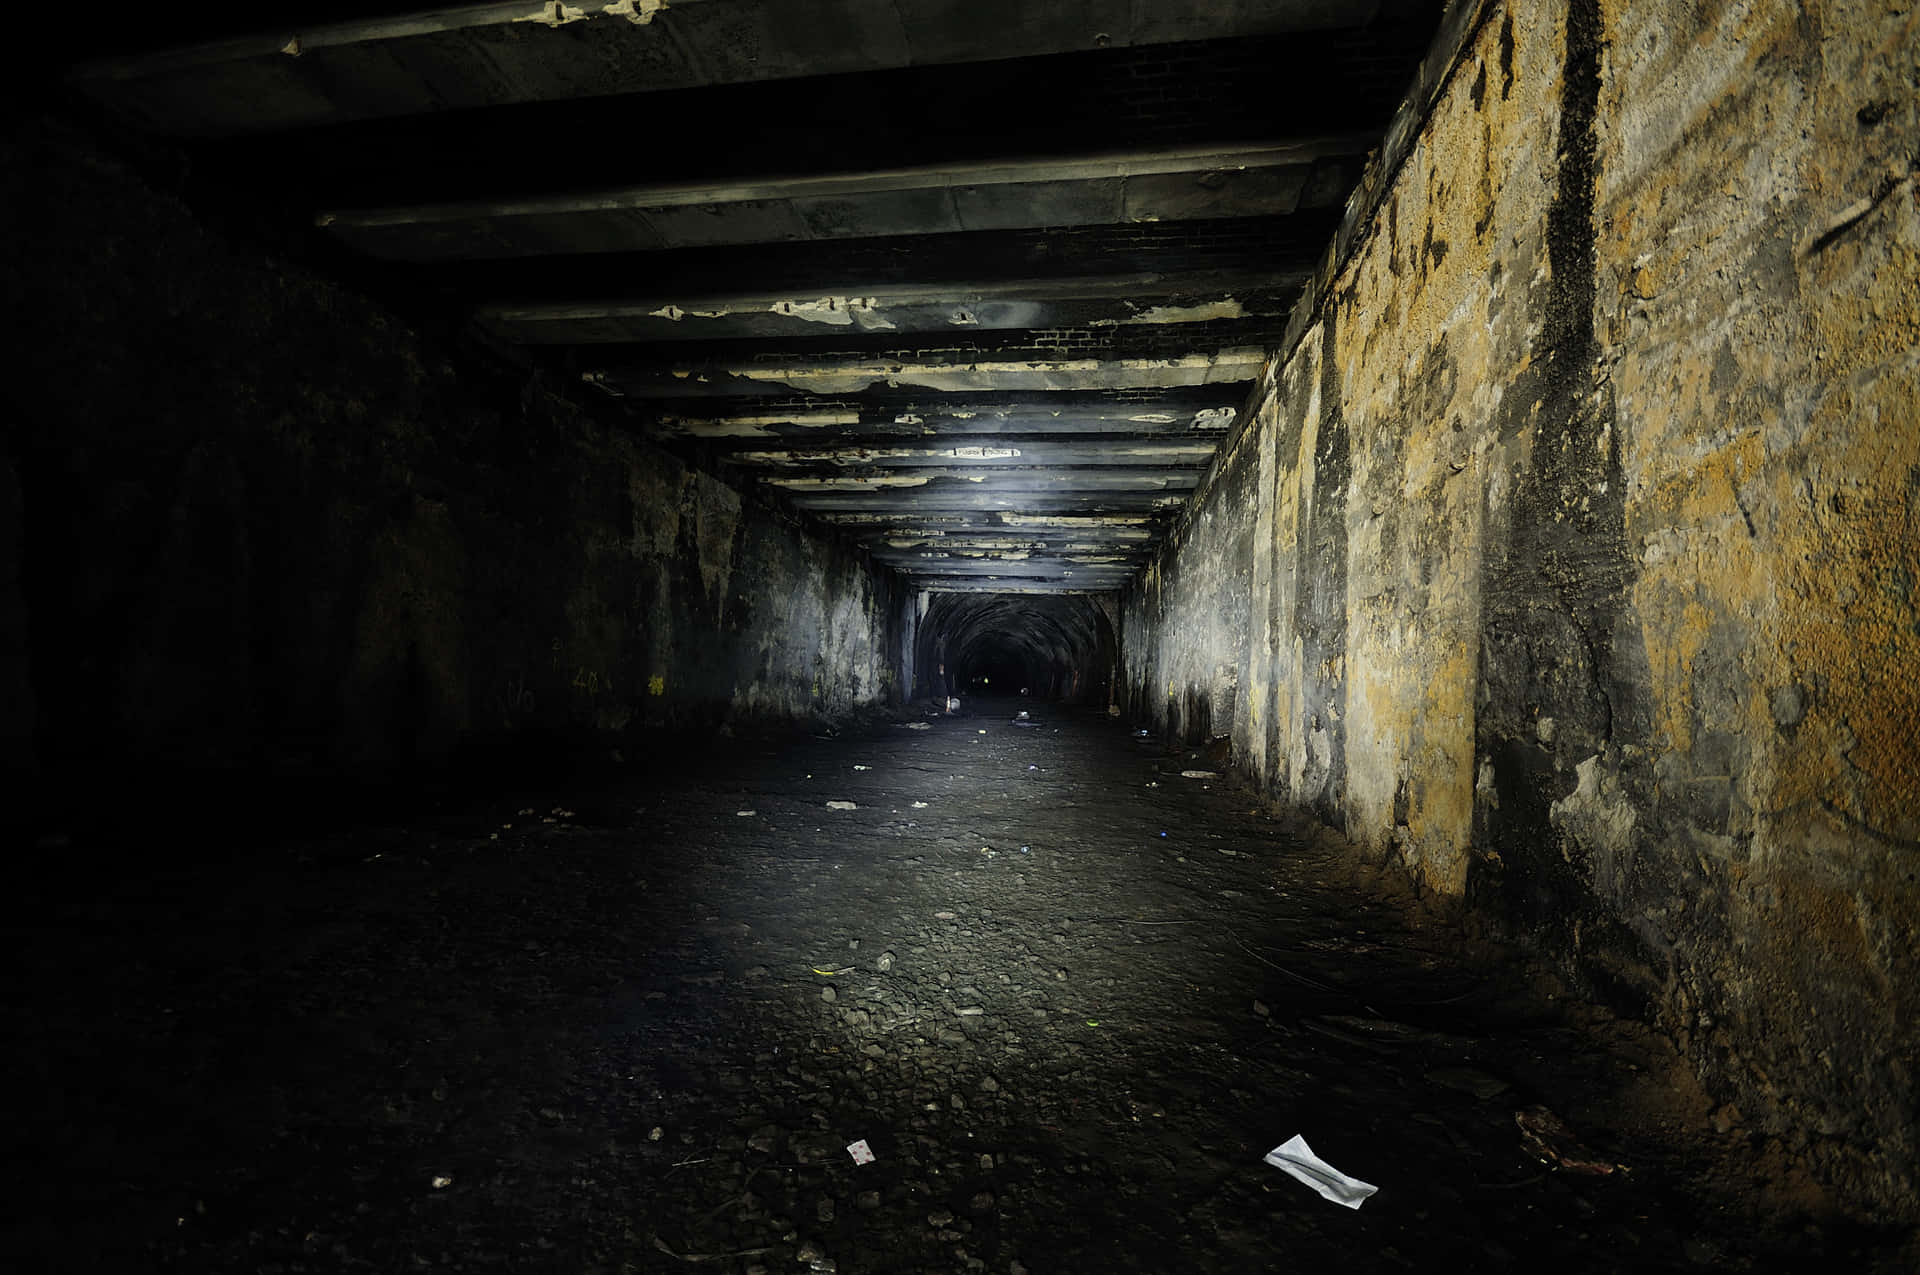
(858, 637)
(1046, 647)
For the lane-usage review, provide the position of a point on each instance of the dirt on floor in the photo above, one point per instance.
(1066, 986)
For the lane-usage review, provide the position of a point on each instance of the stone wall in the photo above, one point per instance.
(1567, 553)
(254, 519)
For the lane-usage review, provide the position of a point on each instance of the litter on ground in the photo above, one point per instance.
(1295, 1158)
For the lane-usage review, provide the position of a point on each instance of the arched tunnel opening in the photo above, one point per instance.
(1052, 648)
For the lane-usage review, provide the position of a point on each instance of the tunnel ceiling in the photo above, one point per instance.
(979, 283)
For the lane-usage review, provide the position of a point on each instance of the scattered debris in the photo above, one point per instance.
(1376, 1033)
(858, 766)
(861, 1152)
(918, 726)
(1549, 1140)
(1469, 1080)
(1331, 1032)
(1295, 1158)
(708, 1257)
(919, 805)
(441, 1182)
(841, 805)
(1199, 774)
(746, 814)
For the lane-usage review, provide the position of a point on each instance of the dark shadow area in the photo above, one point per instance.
(1066, 995)
(1046, 647)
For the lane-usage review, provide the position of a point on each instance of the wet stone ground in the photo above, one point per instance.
(1067, 995)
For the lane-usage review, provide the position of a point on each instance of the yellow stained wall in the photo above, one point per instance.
(1630, 537)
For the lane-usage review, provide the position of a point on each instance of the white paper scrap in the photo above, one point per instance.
(860, 1151)
(1297, 1159)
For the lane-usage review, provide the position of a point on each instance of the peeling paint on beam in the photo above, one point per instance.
(1093, 301)
(1012, 575)
(1045, 453)
(1084, 538)
(1033, 570)
(1198, 160)
(931, 421)
(1204, 312)
(1052, 520)
(1064, 481)
(917, 542)
(1010, 584)
(1242, 363)
(948, 500)
(932, 585)
(840, 37)
(1141, 526)
(375, 30)
(1170, 184)
(754, 426)
(1114, 552)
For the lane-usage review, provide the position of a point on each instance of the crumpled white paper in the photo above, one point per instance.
(1297, 1159)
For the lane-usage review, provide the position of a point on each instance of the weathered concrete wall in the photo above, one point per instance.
(267, 523)
(1193, 684)
(1585, 521)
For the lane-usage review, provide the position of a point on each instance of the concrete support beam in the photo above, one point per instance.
(489, 54)
(997, 453)
(1036, 571)
(1094, 302)
(937, 585)
(896, 504)
(1003, 374)
(921, 522)
(966, 545)
(1000, 564)
(1176, 184)
(1017, 482)
(1010, 582)
(1201, 408)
